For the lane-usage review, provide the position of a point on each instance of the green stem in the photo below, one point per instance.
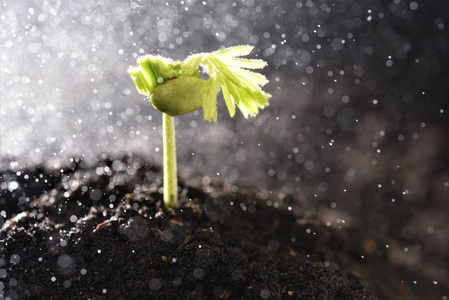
(170, 174)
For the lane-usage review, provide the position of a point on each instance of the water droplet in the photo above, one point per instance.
(198, 273)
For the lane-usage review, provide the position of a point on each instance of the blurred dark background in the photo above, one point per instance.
(357, 124)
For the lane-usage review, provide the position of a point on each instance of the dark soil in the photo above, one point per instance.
(101, 232)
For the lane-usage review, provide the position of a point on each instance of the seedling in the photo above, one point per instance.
(175, 88)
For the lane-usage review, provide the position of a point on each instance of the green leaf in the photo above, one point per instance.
(234, 51)
(240, 87)
(148, 72)
(209, 99)
(245, 63)
(192, 63)
(249, 99)
(247, 104)
(249, 76)
(221, 67)
(233, 90)
(144, 86)
(230, 104)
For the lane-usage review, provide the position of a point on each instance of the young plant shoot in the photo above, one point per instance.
(175, 88)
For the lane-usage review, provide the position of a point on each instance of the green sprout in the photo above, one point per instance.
(175, 88)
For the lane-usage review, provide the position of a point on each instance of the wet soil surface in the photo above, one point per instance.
(101, 232)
